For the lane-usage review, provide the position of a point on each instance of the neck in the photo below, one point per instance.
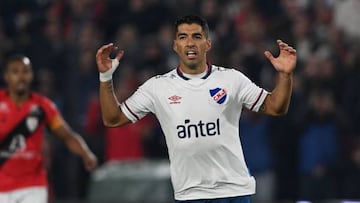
(197, 70)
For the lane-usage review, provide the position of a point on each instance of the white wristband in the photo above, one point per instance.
(107, 76)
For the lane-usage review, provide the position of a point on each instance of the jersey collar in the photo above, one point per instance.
(181, 74)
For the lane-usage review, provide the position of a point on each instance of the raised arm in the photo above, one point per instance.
(111, 113)
(277, 103)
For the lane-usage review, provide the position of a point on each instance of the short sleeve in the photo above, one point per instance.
(250, 95)
(140, 103)
(53, 117)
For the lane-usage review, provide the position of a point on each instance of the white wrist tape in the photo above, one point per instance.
(107, 76)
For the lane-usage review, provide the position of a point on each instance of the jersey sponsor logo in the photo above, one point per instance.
(18, 143)
(218, 94)
(200, 129)
(175, 99)
(16, 139)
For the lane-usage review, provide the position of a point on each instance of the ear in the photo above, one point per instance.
(174, 46)
(208, 44)
(32, 76)
(5, 76)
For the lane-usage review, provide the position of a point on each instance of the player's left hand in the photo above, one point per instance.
(286, 61)
(90, 161)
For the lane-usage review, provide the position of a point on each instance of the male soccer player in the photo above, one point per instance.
(23, 116)
(198, 106)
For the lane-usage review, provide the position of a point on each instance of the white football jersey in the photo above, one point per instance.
(200, 120)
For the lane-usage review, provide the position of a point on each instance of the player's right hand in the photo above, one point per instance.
(90, 161)
(103, 60)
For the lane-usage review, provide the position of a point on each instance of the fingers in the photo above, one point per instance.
(268, 55)
(119, 55)
(291, 50)
(285, 47)
(91, 164)
(105, 51)
(281, 43)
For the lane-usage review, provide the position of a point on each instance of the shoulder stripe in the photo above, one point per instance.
(257, 100)
(137, 117)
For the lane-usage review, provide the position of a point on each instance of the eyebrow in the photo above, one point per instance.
(193, 34)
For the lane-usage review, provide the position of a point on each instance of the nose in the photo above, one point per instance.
(25, 75)
(190, 42)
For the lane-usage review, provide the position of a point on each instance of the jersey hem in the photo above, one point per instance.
(212, 196)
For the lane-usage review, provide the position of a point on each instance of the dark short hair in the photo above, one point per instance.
(190, 19)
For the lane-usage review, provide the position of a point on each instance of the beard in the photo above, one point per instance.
(192, 65)
(22, 90)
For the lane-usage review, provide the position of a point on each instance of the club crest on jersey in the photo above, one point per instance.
(32, 123)
(218, 94)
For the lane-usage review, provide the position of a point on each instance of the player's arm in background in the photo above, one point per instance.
(112, 115)
(277, 103)
(73, 141)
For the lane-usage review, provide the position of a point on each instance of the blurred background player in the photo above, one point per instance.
(24, 115)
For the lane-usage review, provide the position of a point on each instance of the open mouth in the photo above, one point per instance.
(191, 54)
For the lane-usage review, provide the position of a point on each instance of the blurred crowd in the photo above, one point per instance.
(311, 153)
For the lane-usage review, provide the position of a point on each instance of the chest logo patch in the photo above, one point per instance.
(175, 99)
(218, 94)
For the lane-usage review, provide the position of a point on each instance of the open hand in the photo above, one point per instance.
(103, 60)
(286, 61)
